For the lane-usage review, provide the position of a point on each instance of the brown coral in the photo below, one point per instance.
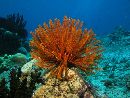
(59, 46)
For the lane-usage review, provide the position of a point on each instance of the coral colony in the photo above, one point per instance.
(12, 33)
(60, 46)
(63, 55)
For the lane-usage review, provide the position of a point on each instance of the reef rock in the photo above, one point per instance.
(10, 61)
(26, 71)
(75, 87)
(19, 58)
(114, 78)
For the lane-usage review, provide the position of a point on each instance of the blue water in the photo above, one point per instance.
(100, 15)
(103, 16)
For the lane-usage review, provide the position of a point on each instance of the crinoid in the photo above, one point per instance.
(14, 23)
(59, 46)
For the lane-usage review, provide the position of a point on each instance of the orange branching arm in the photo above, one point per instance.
(58, 45)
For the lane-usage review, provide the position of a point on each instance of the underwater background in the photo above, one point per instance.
(110, 21)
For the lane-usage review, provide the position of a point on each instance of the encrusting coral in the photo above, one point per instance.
(72, 88)
(60, 46)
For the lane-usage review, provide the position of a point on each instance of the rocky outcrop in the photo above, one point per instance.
(114, 78)
(75, 87)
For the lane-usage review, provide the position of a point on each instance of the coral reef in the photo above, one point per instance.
(9, 42)
(10, 61)
(3, 90)
(72, 88)
(11, 85)
(114, 78)
(60, 46)
(26, 71)
(14, 23)
(12, 34)
(17, 89)
(55, 48)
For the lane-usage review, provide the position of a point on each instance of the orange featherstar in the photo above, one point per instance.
(59, 46)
